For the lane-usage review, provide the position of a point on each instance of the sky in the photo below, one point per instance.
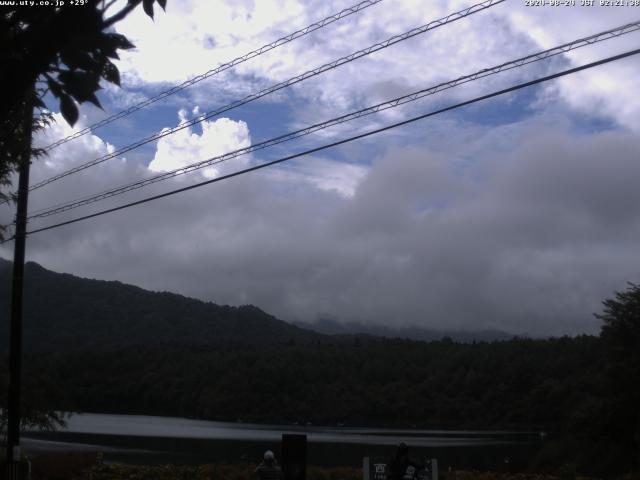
(519, 213)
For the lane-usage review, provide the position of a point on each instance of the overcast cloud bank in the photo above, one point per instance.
(470, 221)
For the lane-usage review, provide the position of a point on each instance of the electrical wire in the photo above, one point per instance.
(221, 68)
(279, 86)
(590, 40)
(344, 141)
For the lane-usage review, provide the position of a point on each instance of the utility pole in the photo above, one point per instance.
(15, 333)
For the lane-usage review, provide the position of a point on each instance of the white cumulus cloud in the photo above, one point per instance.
(187, 146)
(194, 37)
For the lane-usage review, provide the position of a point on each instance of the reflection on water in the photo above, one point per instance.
(148, 426)
(147, 439)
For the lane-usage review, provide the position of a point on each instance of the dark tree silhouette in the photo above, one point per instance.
(621, 325)
(621, 336)
(66, 51)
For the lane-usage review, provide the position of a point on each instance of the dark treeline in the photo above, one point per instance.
(522, 383)
(560, 386)
(98, 346)
(62, 312)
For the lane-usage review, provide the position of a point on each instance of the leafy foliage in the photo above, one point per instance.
(114, 348)
(205, 472)
(37, 389)
(621, 337)
(10, 152)
(69, 49)
(621, 326)
(65, 51)
(521, 383)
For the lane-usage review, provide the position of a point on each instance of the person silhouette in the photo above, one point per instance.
(269, 469)
(401, 466)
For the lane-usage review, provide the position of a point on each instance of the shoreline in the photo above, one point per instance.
(85, 467)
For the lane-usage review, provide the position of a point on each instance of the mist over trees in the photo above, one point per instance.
(168, 355)
(582, 391)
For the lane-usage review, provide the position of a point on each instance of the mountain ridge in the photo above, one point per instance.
(100, 313)
(328, 326)
(108, 313)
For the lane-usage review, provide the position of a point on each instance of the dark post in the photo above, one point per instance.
(294, 456)
(15, 335)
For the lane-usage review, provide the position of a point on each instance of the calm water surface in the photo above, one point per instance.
(148, 439)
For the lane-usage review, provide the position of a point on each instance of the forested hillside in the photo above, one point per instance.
(63, 311)
(106, 347)
(521, 383)
(333, 327)
(560, 386)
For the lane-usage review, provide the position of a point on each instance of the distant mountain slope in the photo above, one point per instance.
(63, 311)
(333, 327)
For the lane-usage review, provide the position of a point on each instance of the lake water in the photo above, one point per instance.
(154, 440)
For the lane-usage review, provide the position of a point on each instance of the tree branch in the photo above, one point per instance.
(108, 5)
(122, 13)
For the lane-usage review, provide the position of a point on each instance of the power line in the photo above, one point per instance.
(590, 40)
(221, 68)
(347, 140)
(279, 86)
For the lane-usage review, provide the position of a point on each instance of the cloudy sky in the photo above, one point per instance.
(519, 213)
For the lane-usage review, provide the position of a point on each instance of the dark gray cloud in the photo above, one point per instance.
(523, 227)
(528, 236)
